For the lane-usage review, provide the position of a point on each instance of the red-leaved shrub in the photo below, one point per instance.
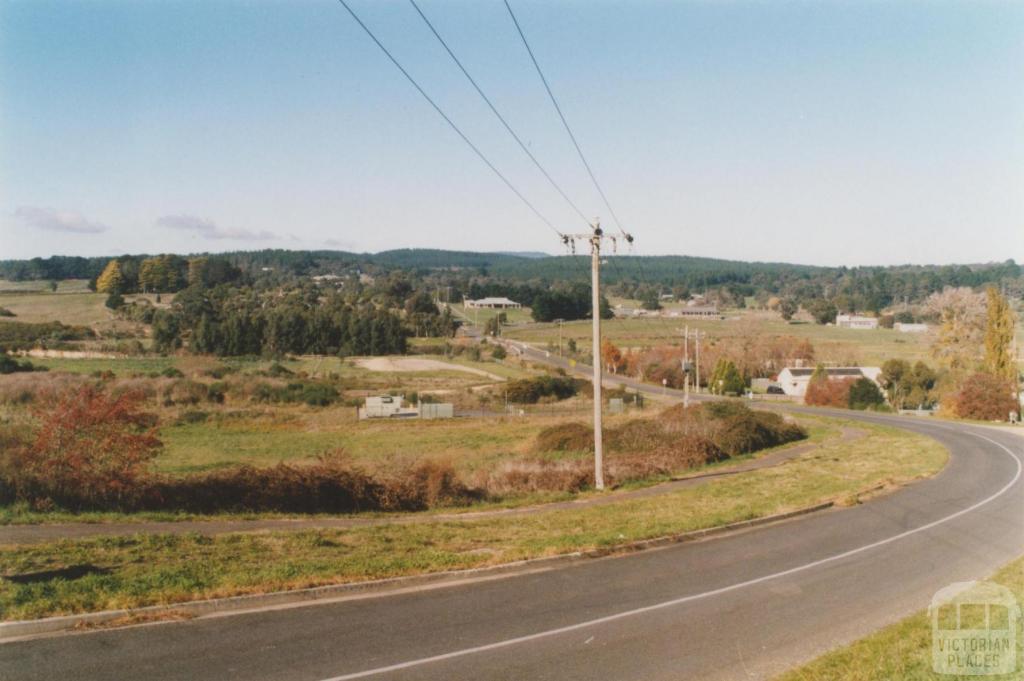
(985, 397)
(829, 393)
(90, 449)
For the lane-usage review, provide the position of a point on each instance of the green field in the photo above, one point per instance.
(65, 286)
(481, 315)
(299, 434)
(145, 570)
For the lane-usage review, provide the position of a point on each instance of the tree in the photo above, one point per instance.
(961, 313)
(115, 301)
(112, 279)
(651, 301)
(166, 331)
(999, 330)
(985, 397)
(864, 394)
(611, 357)
(823, 311)
(895, 378)
(787, 308)
(726, 379)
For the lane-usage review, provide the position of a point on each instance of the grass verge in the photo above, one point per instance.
(900, 651)
(117, 572)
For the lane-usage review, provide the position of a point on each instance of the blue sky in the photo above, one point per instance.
(813, 132)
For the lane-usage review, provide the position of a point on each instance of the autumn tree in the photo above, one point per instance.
(961, 316)
(611, 357)
(999, 336)
(112, 279)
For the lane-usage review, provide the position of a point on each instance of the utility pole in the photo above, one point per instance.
(559, 320)
(696, 364)
(594, 239)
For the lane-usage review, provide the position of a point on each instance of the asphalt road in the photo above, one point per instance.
(742, 606)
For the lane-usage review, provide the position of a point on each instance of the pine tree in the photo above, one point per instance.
(999, 336)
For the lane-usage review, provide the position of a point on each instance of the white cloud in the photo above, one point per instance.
(57, 221)
(209, 229)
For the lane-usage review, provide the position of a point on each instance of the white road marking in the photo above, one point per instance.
(685, 599)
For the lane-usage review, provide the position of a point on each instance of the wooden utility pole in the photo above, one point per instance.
(594, 239)
(595, 299)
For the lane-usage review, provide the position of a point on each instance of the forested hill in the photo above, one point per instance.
(669, 270)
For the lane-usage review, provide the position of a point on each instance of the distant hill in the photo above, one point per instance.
(889, 283)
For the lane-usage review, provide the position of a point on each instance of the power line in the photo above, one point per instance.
(562, 116)
(494, 110)
(449, 120)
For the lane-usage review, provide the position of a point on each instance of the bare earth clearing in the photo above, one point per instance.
(386, 364)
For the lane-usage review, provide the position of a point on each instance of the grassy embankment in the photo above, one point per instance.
(901, 651)
(144, 570)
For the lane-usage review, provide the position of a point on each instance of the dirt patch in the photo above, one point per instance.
(389, 364)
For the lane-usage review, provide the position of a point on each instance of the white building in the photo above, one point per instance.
(851, 321)
(794, 380)
(910, 328)
(699, 312)
(385, 407)
(492, 303)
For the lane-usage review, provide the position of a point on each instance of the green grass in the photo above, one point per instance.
(144, 570)
(120, 366)
(901, 651)
(42, 285)
(480, 316)
(467, 443)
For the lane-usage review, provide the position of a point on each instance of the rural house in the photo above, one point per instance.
(794, 380)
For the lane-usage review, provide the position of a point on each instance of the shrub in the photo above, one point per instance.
(90, 450)
(276, 370)
(115, 301)
(531, 390)
(829, 392)
(331, 485)
(9, 365)
(184, 391)
(499, 352)
(679, 439)
(193, 416)
(985, 397)
(313, 394)
(4, 312)
(565, 437)
(864, 394)
(22, 335)
(171, 372)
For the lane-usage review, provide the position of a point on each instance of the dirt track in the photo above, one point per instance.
(386, 364)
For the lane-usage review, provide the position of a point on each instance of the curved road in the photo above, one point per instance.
(741, 606)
